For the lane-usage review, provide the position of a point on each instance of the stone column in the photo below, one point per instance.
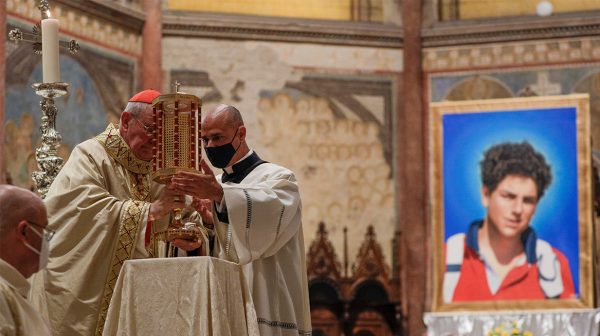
(412, 172)
(2, 86)
(151, 63)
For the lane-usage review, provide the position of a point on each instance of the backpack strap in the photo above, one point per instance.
(548, 269)
(455, 253)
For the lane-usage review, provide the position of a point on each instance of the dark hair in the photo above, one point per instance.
(510, 158)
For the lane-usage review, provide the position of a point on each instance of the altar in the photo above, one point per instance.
(195, 296)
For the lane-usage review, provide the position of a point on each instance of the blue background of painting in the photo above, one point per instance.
(550, 131)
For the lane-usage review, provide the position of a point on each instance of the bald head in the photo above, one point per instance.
(18, 204)
(223, 126)
(230, 114)
(22, 219)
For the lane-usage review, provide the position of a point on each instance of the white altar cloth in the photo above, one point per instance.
(195, 296)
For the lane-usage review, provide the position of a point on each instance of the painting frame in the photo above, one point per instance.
(442, 116)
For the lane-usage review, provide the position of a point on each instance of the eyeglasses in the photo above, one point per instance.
(48, 234)
(148, 129)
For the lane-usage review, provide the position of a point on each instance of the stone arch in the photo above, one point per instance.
(324, 291)
(371, 300)
(371, 291)
(478, 87)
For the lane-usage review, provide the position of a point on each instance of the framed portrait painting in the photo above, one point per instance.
(512, 204)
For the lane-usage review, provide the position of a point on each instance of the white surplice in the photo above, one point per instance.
(17, 316)
(264, 234)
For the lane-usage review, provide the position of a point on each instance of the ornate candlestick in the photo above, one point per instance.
(177, 147)
(46, 156)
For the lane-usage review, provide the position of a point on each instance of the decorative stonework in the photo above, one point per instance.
(512, 54)
(82, 25)
(510, 29)
(321, 257)
(365, 301)
(530, 81)
(343, 175)
(280, 29)
(369, 263)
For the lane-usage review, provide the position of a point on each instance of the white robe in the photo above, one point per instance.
(17, 315)
(264, 234)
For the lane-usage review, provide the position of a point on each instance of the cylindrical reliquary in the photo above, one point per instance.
(176, 140)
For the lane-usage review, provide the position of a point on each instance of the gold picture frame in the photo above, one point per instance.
(460, 130)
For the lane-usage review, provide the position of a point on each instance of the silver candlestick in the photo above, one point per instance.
(46, 155)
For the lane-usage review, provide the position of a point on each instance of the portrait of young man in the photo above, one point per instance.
(511, 218)
(500, 257)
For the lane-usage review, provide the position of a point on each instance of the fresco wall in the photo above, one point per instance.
(101, 78)
(535, 68)
(326, 112)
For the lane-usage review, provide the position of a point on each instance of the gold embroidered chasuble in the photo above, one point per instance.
(98, 206)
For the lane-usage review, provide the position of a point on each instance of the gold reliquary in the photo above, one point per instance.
(177, 147)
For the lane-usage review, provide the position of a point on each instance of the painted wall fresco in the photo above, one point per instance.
(534, 81)
(101, 78)
(326, 112)
(81, 115)
(84, 26)
(339, 162)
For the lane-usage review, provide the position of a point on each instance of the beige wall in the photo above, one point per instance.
(472, 9)
(339, 161)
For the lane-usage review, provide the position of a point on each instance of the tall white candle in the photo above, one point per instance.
(50, 65)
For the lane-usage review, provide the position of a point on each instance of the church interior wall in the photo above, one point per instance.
(536, 67)
(517, 69)
(381, 11)
(324, 111)
(101, 75)
(324, 106)
(477, 9)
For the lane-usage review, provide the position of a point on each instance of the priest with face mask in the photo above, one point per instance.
(105, 208)
(24, 242)
(254, 211)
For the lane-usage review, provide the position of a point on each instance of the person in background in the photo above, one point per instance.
(23, 251)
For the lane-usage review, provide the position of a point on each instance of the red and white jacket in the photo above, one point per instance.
(545, 275)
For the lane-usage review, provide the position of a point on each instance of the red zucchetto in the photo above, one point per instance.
(146, 96)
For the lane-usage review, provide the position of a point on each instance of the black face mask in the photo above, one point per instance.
(220, 156)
